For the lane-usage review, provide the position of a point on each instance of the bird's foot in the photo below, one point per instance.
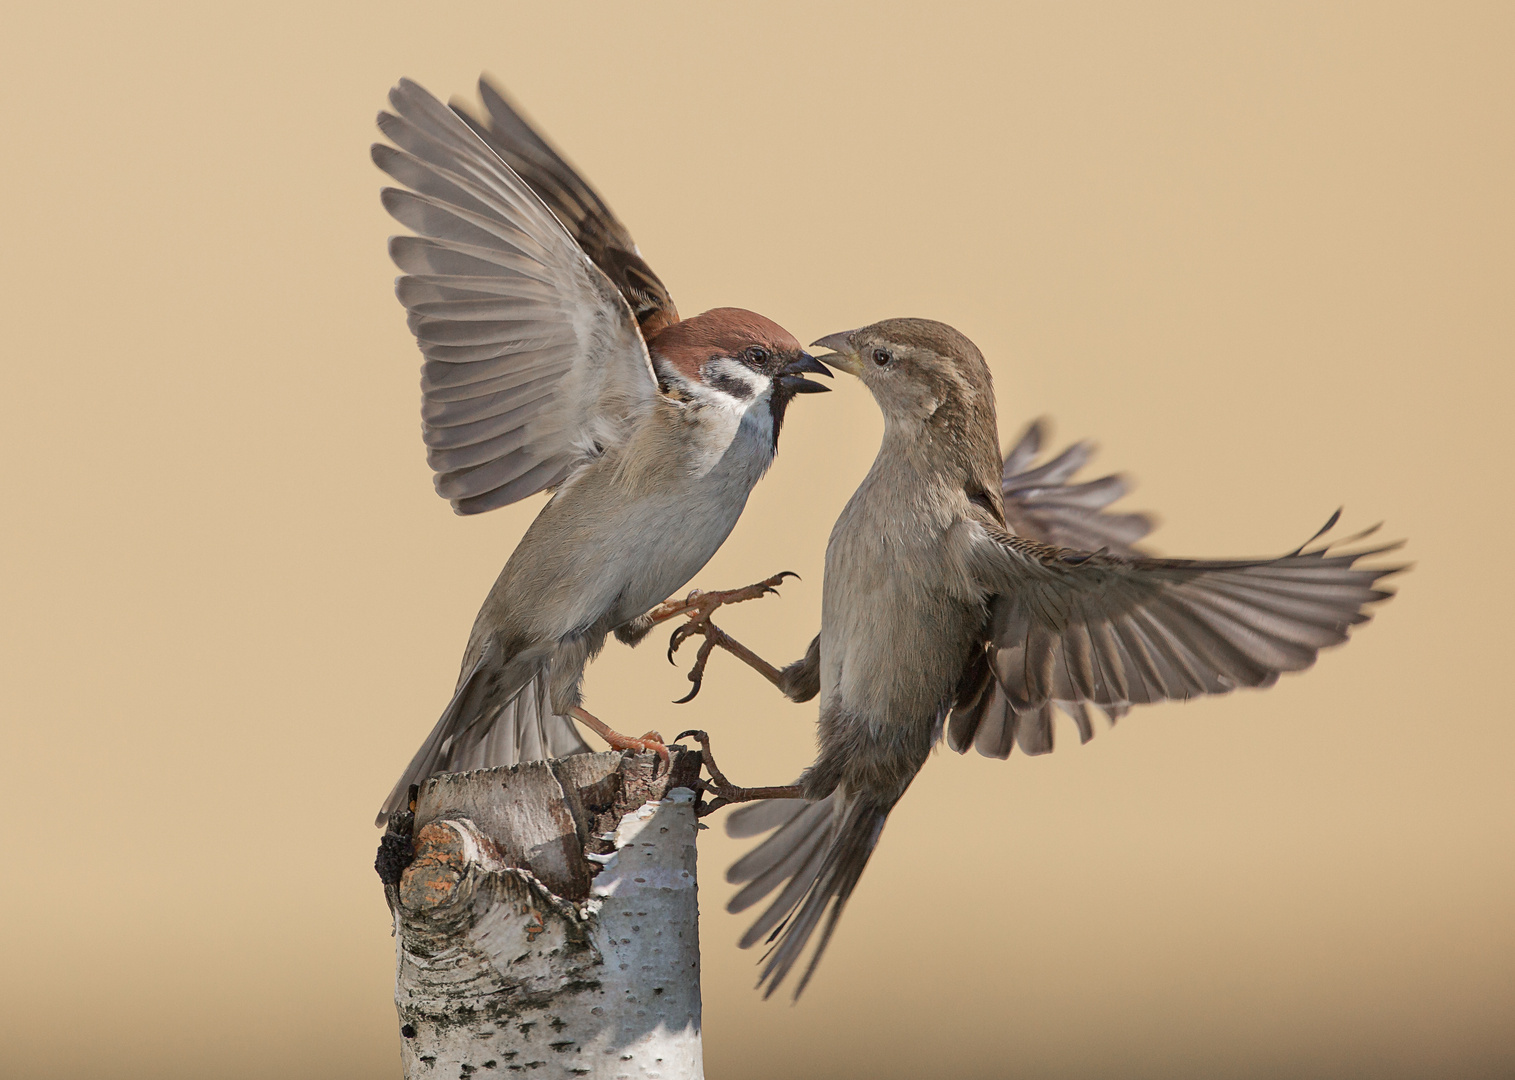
(699, 606)
(724, 790)
(651, 741)
(713, 635)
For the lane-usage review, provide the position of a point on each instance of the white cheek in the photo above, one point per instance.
(735, 384)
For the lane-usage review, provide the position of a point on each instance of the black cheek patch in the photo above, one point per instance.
(729, 384)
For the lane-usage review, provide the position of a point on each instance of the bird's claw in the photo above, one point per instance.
(724, 790)
(713, 636)
(650, 742)
(684, 632)
(699, 606)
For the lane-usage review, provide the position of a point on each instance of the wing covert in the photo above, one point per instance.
(577, 205)
(533, 361)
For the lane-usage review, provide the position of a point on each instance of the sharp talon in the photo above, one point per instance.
(682, 634)
(654, 742)
(651, 742)
(676, 639)
(723, 791)
(698, 608)
(704, 626)
(712, 806)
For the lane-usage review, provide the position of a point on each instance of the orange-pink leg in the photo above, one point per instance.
(699, 606)
(651, 741)
(699, 602)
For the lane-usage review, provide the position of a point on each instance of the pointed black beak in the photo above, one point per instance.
(806, 362)
(791, 375)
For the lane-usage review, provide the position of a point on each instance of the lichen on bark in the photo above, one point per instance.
(549, 922)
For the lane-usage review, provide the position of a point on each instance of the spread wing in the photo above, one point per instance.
(1041, 504)
(533, 362)
(577, 205)
(1072, 629)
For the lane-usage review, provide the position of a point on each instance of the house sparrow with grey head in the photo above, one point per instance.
(965, 599)
(555, 360)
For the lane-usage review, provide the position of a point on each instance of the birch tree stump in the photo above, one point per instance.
(549, 922)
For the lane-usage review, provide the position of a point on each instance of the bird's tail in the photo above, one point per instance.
(474, 732)
(819, 849)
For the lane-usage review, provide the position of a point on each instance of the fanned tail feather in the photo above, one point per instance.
(817, 853)
(472, 734)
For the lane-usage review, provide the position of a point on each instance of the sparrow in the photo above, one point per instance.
(965, 599)
(555, 360)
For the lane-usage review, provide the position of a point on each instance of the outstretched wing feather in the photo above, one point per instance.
(1070, 628)
(534, 362)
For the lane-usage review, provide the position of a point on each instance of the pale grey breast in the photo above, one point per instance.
(629, 554)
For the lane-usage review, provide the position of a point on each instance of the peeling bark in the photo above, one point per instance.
(549, 922)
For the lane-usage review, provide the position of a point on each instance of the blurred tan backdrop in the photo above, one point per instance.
(1263, 253)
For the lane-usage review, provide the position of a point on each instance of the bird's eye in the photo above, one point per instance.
(756, 354)
(881, 357)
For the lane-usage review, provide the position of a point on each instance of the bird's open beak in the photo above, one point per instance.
(792, 375)
(842, 354)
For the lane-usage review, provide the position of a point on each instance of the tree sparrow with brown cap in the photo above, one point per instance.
(556, 361)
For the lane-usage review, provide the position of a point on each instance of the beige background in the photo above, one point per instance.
(1264, 254)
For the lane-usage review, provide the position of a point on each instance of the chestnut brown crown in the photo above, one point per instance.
(733, 333)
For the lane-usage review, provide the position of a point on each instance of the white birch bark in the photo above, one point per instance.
(549, 923)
